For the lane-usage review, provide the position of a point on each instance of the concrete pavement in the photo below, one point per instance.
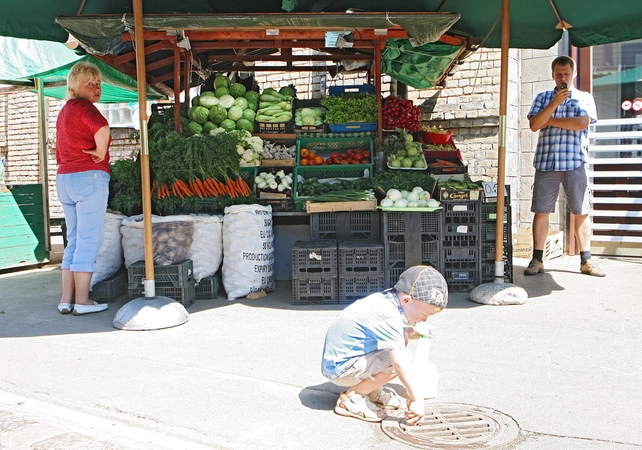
(567, 366)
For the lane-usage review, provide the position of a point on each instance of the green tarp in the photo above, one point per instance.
(23, 61)
(626, 76)
(419, 67)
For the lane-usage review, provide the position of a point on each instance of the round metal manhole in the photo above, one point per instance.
(452, 426)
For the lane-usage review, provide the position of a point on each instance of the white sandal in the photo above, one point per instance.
(359, 407)
(387, 398)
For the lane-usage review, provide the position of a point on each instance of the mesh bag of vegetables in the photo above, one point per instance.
(172, 241)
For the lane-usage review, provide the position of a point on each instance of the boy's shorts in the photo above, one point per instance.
(546, 189)
(364, 367)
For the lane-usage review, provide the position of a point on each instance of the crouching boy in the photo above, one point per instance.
(365, 346)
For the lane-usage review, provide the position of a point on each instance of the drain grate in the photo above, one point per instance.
(452, 426)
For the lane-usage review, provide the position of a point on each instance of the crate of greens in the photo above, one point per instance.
(351, 109)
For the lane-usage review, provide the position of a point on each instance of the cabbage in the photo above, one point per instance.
(244, 124)
(228, 125)
(226, 101)
(217, 114)
(307, 120)
(221, 81)
(249, 115)
(287, 90)
(222, 91)
(237, 90)
(241, 102)
(252, 96)
(208, 126)
(200, 114)
(254, 106)
(209, 101)
(308, 112)
(190, 111)
(208, 94)
(196, 101)
(235, 113)
(193, 128)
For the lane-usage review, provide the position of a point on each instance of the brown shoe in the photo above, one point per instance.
(590, 268)
(534, 267)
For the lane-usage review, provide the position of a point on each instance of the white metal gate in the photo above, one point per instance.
(615, 177)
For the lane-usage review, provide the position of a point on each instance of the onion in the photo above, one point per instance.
(393, 194)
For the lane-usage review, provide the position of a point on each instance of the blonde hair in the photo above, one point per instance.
(80, 73)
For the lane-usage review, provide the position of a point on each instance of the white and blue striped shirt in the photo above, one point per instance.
(559, 149)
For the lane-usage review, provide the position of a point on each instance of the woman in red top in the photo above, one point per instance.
(82, 154)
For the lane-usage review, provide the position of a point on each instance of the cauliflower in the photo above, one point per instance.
(240, 149)
(248, 156)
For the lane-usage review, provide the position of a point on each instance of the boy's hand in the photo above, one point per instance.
(415, 413)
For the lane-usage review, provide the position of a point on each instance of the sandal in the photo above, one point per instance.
(387, 398)
(359, 407)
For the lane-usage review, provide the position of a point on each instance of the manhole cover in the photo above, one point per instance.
(451, 426)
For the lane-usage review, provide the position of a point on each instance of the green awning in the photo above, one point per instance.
(23, 61)
(626, 76)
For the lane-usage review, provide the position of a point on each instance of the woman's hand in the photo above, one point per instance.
(96, 155)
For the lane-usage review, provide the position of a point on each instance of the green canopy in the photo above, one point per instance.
(23, 61)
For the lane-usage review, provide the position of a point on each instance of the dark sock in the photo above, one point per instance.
(538, 255)
(585, 256)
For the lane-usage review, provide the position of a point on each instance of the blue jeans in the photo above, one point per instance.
(84, 201)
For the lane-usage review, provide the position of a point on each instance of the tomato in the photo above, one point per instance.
(366, 154)
(358, 156)
(311, 155)
(304, 153)
(365, 161)
(336, 160)
(334, 155)
(319, 160)
(345, 161)
(312, 162)
(304, 161)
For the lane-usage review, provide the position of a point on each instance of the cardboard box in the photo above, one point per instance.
(459, 195)
(523, 244)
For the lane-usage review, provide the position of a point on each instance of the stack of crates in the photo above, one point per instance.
(314, 272)
(175, 281)
(489, 227)
(360, 269)
(409, 239)
(345, 225)
(462, 244)
(207, 288)
(109, 290)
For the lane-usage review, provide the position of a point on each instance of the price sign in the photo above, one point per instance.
(490, 189)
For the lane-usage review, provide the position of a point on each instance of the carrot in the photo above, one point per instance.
(165, 190)
(176, 189)
(182, 189)
(212, 185)
(230, 188)
(195, 188)
(245, 187)
(202, 187)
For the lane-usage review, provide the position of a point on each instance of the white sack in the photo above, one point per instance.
(248, 250)
(206, 252)
(110, 254)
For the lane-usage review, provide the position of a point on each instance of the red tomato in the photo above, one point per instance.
(344, 161)
(334, 155)
(358, 156)
(366, 154)
(365, 161)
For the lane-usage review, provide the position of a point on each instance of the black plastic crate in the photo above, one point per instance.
(458, 240)
(207, 288)
(395, 250)
(468, 208)
(462, 229)
(462, 275)
(452, 254)
(178, 275)
(314, 291)
(353, 288)
(108, 291)
(278, 204)
(273, 127)
(314, 259)
(400, 223)
(353, 225)
(394, 270)
(360, 258)
(185, 295)
(488, 230)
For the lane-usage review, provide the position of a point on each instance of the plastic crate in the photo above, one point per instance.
(108, 291)
(273, 127)
(394, 270)
(352, 127)
(207, 288)
(354, 225)
(312, 103)
(278, 204)
(360, 258)
(340, 90)
(314, 259)
(323, 172)
(465, 240)
(488, 271)
(461, 229)
(462, 275)
(325, 146)
(314, 291)
(488, 230)
(461, 254)
(353, 288)
(395, 250)
(400, 223)
(178, 275)
(184, 295)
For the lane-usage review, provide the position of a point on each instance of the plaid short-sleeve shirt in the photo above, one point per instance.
(559, 149)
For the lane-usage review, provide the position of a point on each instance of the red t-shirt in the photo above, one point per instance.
(77, 123)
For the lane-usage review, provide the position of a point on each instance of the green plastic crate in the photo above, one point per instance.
(325, 146)
(330, 171)
(207, 288)
(108, 291)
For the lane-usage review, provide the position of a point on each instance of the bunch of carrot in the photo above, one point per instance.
(208, 187)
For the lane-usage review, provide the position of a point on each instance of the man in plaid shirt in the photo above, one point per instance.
(562, 117)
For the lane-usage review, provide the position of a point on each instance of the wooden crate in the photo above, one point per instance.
(362, 205)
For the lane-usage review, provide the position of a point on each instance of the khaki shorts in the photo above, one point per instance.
(365, 367)
(546, 189)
